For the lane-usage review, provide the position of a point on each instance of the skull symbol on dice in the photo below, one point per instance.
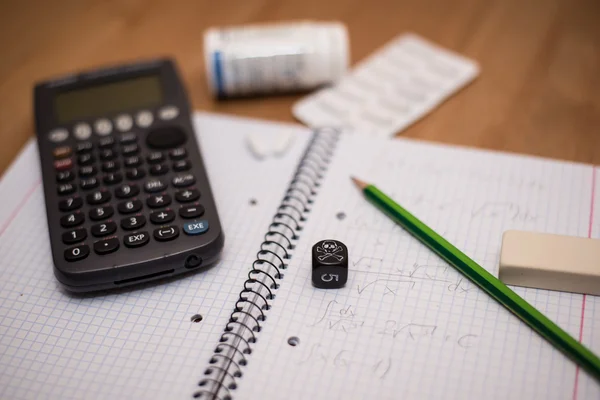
(330, 251)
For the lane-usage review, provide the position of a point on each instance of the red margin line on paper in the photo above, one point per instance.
(576, 385)
(17, 210)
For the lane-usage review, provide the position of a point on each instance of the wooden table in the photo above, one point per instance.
(538, 93)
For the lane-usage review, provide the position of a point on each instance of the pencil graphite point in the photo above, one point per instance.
(361, 184)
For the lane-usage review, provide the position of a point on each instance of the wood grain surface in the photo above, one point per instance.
(538, 92)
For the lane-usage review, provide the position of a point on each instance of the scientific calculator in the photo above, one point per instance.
(127, 195)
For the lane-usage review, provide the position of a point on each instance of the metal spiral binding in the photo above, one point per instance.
(251, 309)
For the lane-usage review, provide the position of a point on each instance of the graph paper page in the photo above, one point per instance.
(137, 343)
(406, 325)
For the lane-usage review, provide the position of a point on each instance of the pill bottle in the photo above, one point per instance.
(274, 58)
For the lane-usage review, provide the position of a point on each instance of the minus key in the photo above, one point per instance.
(191, 211)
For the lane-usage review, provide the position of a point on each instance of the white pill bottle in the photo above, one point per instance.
(275, 58)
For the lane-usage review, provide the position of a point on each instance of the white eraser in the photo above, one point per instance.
(546, 261)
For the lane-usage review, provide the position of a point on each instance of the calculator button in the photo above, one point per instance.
(124, 122)
(195, 227)
(168, 113)
(162, 216)
(127, 138)
(74, 236)
(64, 164)
(155, 157)
(133, 161)
(77, 253)
(144, 119)
(65, 188)
(103, 127)
(83, 147)
(58, 135)
(135, 173)
(108, 154)
(129, 206)
(65, 176)
(106, 142)
(100, 213)
(112, 178)
(103, 228)
(166, 138)
(191, 211)
(154, 185)
(130, 149)
(88, 170)
(181, 165)
(62, 152)
(70, 203)
(136, 239)
(159, 169)
(98, 197)
(166, 233)
(85, 159)
(73, 219)
(82, 131)
(110, 166)
(183, 180)
(158, 200)
(106, 246)
(125, 191)
(187, 195)
(133, 222)
(89, 183)
(178, 153)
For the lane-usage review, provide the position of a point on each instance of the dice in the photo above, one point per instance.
(329, 264)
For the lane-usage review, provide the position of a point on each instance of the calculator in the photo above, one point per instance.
(127, 195)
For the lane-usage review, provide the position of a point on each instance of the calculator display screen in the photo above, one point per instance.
(108, 98)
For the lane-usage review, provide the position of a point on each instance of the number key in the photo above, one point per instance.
(103, 229)
(135, 173)
(100, 213)
(98, 197)
(133, 222)
(70, 203)
(74, 236)
(73, 219)
(77, 253)
(125, 191)
(129, 206)
(159, 169)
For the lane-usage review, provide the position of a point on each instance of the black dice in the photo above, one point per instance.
(329, 264)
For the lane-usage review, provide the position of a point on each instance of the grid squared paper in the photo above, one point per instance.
(406, 325)
(138, 342)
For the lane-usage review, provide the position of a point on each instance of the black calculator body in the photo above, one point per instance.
(127, 196)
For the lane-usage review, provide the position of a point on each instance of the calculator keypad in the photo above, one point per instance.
(111, 186)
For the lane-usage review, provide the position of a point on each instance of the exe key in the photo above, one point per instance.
(329, 264)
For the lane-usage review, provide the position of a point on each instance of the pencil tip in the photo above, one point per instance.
(359, 183)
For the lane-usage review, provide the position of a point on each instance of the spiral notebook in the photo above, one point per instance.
(405, 325)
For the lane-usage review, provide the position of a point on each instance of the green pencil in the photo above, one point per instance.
(486, 281)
